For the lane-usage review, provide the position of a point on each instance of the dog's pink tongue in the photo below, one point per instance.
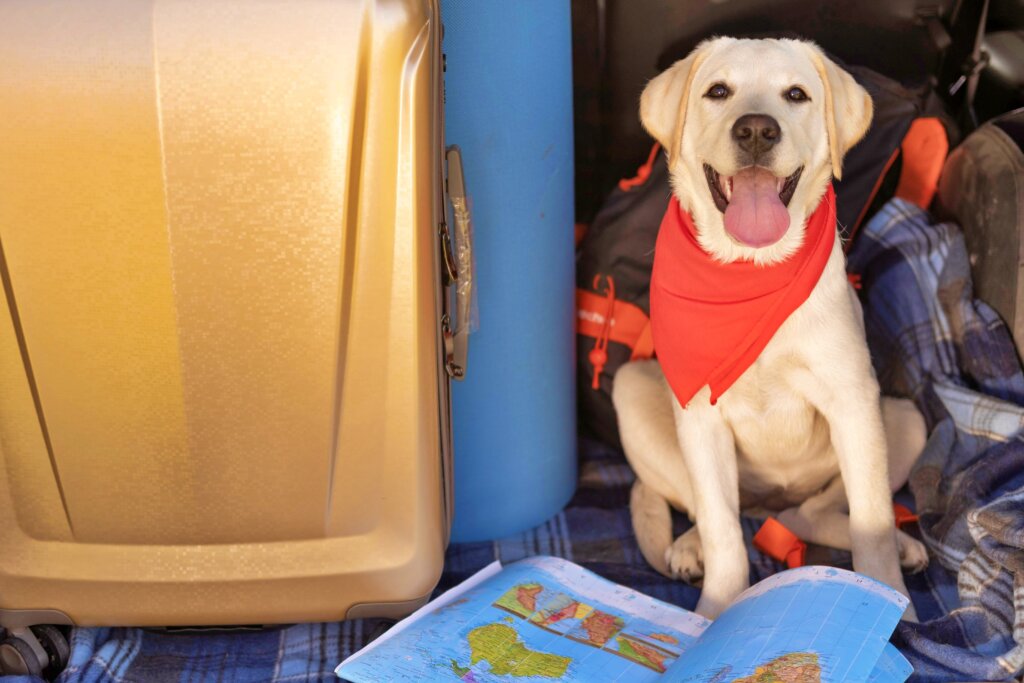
(755, 215)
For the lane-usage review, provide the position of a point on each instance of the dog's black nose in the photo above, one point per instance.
(756, 133)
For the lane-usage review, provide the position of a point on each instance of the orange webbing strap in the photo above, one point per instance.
(642, 173)
(580, 231)
(779, 543)
(627, 320)
(644, 347)
(604, 318)
(903, 515)
(924, 151)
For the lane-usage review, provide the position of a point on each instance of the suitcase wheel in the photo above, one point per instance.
(57, 649)
(39, 651)
(17, 658)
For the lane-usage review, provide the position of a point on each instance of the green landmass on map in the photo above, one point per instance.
(499, 646)
(520, 599)
(641, 654)
(459, 671)
(795, 667)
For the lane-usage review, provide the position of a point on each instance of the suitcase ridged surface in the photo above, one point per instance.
(220, 398)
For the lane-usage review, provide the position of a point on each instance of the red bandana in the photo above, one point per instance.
(711, 320)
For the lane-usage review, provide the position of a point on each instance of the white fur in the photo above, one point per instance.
(802, 432)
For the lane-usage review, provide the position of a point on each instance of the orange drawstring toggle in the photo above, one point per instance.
(598, 355)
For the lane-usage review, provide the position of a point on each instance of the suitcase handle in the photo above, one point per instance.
(458, 255)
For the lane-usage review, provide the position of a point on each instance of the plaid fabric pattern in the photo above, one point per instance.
(929, 340)
(932, 341)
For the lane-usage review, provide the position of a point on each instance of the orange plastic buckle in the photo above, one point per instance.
(779, 543)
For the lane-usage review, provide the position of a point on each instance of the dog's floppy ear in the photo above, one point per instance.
(663, 101)
(848, 108)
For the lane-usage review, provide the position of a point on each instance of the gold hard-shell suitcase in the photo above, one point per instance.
(224, 357)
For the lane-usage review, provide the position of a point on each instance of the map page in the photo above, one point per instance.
(545, 618)
(802, 626)
(892, 667)
(538, 619)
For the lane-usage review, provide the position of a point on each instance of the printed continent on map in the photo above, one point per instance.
(601, 626)
(460, 671)
(499, 646)
(642, 653)
(559, 608)
(796, 667)
(521, 599)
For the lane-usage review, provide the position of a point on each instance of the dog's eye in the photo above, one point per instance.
(719, 91)
(796, 94)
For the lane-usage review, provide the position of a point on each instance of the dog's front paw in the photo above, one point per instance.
(685, 558)
(913, 553)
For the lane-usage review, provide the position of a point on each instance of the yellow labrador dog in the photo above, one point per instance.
(803, 432)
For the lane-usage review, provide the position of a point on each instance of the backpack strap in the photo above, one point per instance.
(642, 173)
(848, 243)
(643, 349)
(924, 150)
(579, 232)
(779, 543)
(606, 319)
(628, 321)
(922, 154)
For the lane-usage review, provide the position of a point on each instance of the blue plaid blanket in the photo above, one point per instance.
(932, 341)
(929, 340)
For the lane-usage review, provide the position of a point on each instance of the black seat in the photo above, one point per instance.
(1001, 87)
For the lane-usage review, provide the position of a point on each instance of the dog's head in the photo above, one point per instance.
(754, 130)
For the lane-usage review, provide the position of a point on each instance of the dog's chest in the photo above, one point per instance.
(783, 444)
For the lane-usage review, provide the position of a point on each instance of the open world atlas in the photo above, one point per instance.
(548, 619)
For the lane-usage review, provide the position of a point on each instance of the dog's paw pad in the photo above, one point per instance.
(913, 553)
(685, 558)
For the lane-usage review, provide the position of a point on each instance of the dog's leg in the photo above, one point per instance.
(647, 427)
(850, 402)
(823, 519)
(710, 456)
(643, 404)
(656, 440)
(832, 529)
(652, 524)
(905, 436)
